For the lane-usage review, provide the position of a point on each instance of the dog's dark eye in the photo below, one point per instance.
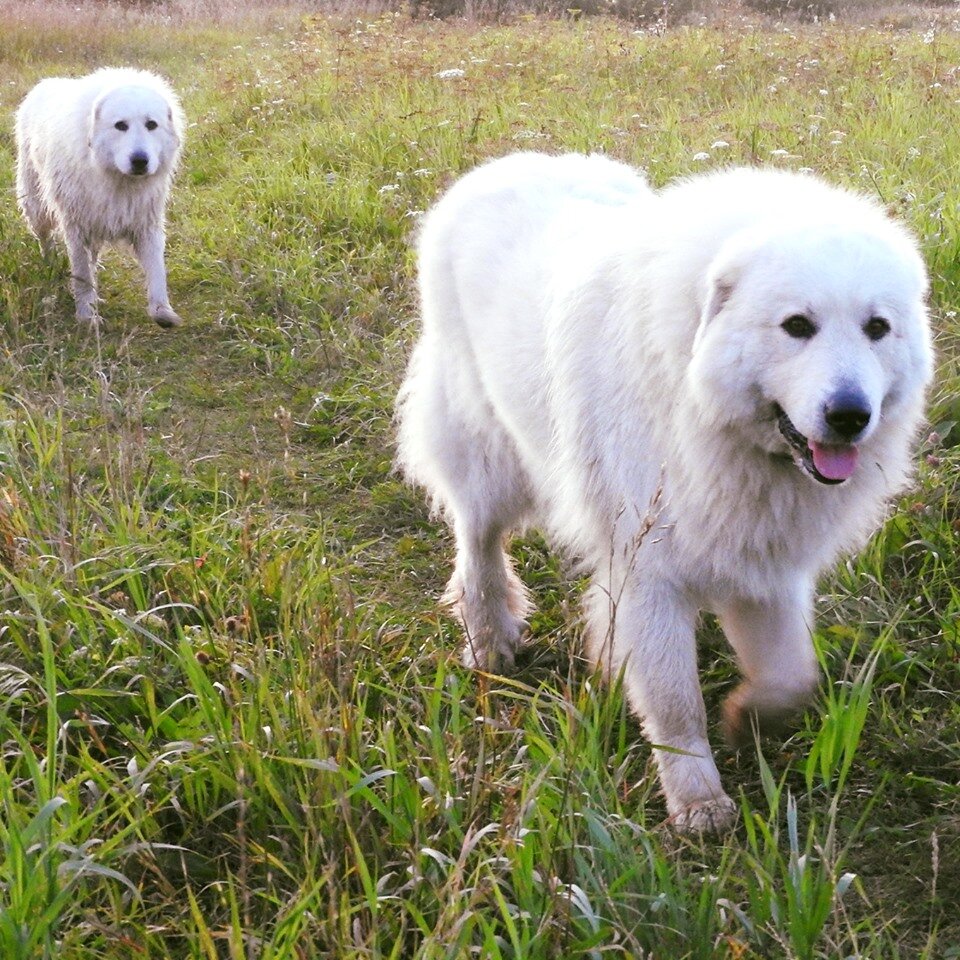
(876, 328)
(799, 327)
(121, 125)
(151, 124)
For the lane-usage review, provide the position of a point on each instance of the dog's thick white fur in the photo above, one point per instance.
(95, 157)
(707, 393)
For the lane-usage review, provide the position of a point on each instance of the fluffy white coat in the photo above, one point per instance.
(95, 158)
(707, 393)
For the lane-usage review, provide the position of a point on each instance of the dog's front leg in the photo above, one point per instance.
(83, 275)
(149, 248)
(773, 644)
(649, 630)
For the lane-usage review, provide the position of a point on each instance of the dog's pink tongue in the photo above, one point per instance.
(834, 462)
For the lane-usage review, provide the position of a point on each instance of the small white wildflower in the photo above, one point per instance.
(780, 153)
(719, 145)
(454, 73)
(388, 188)
(703, 155)
(843, 884)
(427, 785)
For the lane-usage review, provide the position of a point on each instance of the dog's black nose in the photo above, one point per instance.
(139, 162)
(848, 414)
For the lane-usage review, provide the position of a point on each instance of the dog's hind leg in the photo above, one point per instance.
(30, 199)
(485, 593)
(451, 443)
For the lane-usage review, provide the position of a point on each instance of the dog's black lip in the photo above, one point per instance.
(800, 447)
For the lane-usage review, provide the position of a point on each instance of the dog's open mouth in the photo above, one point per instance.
(825, 462)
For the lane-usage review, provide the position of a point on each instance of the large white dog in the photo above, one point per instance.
(95, 157)
(707, 393)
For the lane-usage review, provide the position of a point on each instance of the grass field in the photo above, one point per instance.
(232, 719)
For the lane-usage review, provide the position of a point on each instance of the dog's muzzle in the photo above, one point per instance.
(825, 462)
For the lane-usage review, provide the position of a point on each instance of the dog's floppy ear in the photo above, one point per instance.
(175, 128)
(94, 119)
(720, 287)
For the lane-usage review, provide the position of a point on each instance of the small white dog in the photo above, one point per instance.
(707, 393)
(95, 157)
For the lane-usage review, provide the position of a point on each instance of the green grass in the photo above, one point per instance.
(232, 719)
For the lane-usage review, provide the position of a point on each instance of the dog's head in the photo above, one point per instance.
(135, 131)
(815, 336)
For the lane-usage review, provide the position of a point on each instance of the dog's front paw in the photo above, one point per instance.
(477, 656)
(495, 652)
(165, 316)
(717, 815)
(749, 709)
